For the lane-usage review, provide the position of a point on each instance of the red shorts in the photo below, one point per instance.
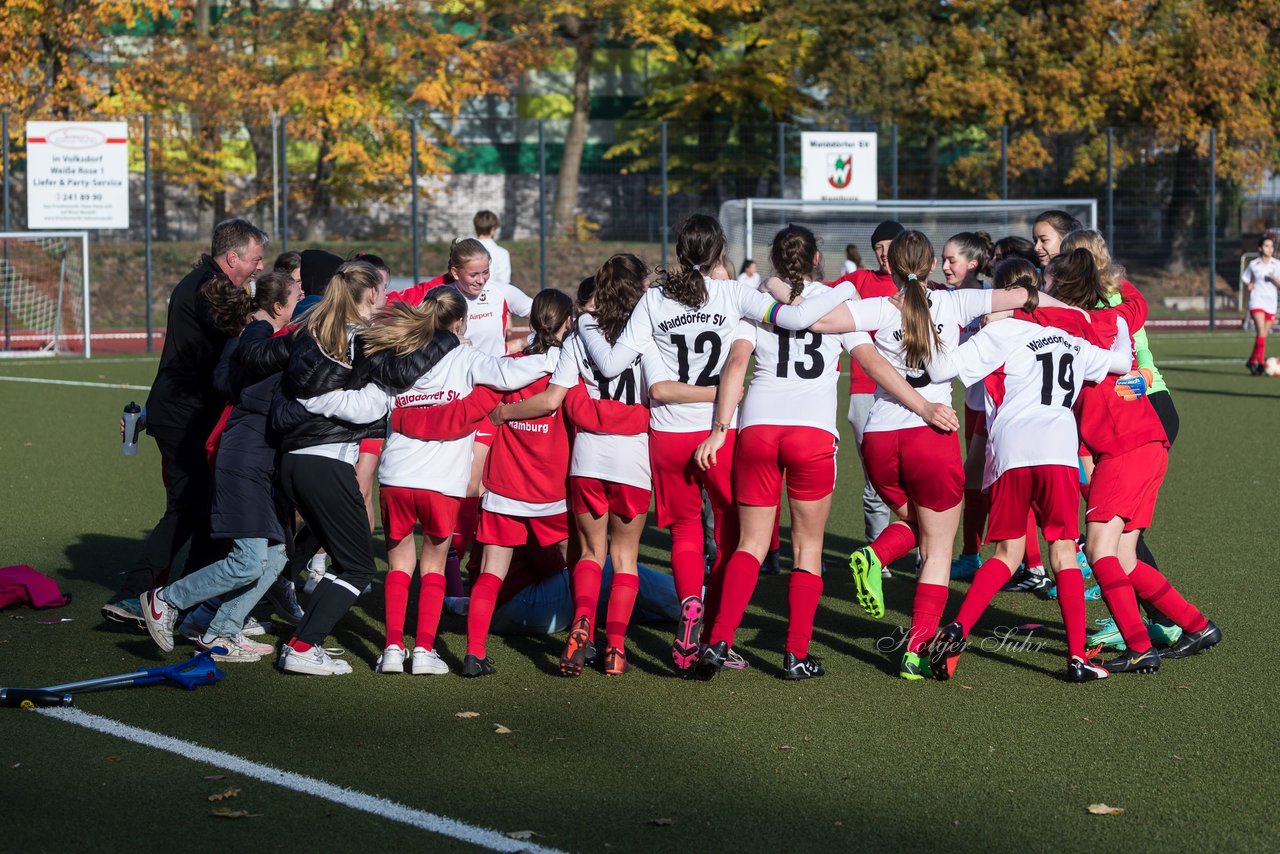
(766, 453)
(1052, 493)
(403, 507)
(677, 480)
(598, 497)
(1266, 315)
(498, 529)
(371, 446)
(1127, 486)
(486, 433)
(975, 423)
(917, 465)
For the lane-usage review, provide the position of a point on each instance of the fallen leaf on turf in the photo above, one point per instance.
(228, 812)
(1176, 756)
(499, 729)
(838, 824)
(807, 738)
(114, 758)
(1103, 809)
(786, 747)
(467, 715)
(1183, 687)
(226, 794)
(967, 687)
(521, 834)
(662, 822)
(216, 777)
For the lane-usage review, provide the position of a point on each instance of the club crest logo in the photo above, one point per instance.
(483, 296)
(839, 170)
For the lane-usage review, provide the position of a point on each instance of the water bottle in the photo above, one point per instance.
(132, 413)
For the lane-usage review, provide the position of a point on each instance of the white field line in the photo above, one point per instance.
(43, 381)
(381, 807)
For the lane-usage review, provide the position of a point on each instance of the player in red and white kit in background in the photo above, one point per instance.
(524, 480)
(1030, 376)
(424, 482)
(787, 431)
(690, 319)
(1261, 277)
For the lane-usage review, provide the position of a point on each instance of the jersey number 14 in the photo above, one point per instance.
(1065, 375)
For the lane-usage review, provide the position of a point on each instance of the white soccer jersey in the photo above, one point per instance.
(445, 466)
(1031, 375)
(1263, 295)
(487, 314)
(879, 318)
(499, 262)
(796, 374)
(973, 397)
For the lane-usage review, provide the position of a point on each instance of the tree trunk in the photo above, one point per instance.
(583, 34)
(1182, 223)
(321, 196)
(261, 137)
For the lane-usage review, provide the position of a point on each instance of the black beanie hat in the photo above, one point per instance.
(317, 269)
(887, 230)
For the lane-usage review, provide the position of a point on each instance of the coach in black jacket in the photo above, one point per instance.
(182, 409)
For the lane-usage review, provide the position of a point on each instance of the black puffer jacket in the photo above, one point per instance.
(312, 372)
(253, 356)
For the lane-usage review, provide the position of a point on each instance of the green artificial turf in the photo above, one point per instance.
(1006, 757)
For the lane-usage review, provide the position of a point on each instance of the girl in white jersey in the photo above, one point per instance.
(424, 482)
(1030, 376)
(690, 319)
(788, 430)
(1262, 276)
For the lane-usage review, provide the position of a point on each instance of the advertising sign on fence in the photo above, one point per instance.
(77, 175)
(838, 166)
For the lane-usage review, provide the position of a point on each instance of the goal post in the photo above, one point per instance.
(46, 305)
(750, 224)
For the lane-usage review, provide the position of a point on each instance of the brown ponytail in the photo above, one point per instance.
(229, 305)
(619, 285)
(269, 289)
(1110, 273)
(404, 328)
(1018, 273)
(699, 246)
(911, 261)
(1074, 279)
(550, 310)
(974, 246)
(792, 254)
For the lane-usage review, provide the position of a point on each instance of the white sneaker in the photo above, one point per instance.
(313, 662)
(248, 643)
(256, 627)
(233, 651)
(426, 662)
(392, 660)
(315, 572)
(160, 617)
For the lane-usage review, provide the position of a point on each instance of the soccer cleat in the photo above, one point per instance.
(914, 667)
(944, 651)
(1027, 579)
(473, 667)
(770, 564)
(809, 667)
(1108, 634)
(712, 660)
(1092, 593)
(685, 648)
(734, 661)
(868, 581)
(885, 574)
(313, 662)
(127, 611)
(574, 657)
(391, 660)
(1147, 661)
(1079, 670)
(232, 649)
(160, 618)
(1163, 636)
(256, 627)
(427, 662)
(965, 567)
(1193, 642)
(283, 598)
(615, 662)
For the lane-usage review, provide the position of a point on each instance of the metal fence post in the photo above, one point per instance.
(1111, 186)
(542, 202)
(666, 222)
(146, 216)
(1213, 226)
(1004, 161)
(413, 191)
(782, 160)
(284, 185)
(893, 161)
(4, 129)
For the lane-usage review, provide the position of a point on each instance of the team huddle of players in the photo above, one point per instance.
(632, 394)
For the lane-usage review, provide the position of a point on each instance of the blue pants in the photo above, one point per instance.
(546, 607)
(241, 579)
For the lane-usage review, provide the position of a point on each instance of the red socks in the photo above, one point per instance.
(926, 613)
(622, 600)
(895, 541)
(1033, 556)
(468, 521)
(688, 564)
(739, 583)
(1071, 601)
(1150, 584)
(1259, 350)
(397, 591)
(991, 576)
(586, 590)
(1117, 592)
(975, 519)
(803, 594)
(300, 646)
(430, 603)
(484, 597)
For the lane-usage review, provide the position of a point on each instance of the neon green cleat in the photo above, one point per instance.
(868, 581)
(1163, 636)
(1108, 634)
(914, 667)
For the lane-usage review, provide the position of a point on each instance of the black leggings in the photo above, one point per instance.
(327, 495)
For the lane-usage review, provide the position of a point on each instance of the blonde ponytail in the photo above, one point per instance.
(329, 323)
(404, 328)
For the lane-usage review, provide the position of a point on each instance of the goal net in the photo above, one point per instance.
(750, 224)
(45, 281)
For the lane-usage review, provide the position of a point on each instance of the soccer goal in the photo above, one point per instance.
(45, 277)
(750, 224)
